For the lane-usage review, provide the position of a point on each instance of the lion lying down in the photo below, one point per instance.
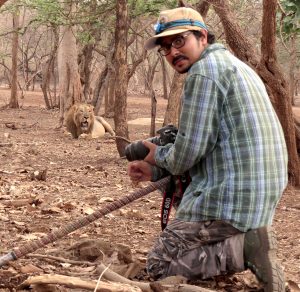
(80, 119)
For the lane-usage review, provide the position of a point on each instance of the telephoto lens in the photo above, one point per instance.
(136, 151)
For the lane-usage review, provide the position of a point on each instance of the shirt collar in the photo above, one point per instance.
(210, 49)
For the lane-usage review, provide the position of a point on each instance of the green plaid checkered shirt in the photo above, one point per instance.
(231, 142)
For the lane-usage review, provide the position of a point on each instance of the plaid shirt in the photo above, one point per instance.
(232, 143)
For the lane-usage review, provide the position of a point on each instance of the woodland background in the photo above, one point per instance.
(56, 53)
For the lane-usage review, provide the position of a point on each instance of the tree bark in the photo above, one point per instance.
(120, 116)
(292, 67)
(47, 70)
(69, 79)
(278, 86)
(2, 2)
(267, 67)
(110, 96)
(13, 103)
(164, 78)
(153, 112)
(85, 69)
(100, 90)
(172, 111)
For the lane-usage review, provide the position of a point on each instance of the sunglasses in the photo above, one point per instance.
(177, 43)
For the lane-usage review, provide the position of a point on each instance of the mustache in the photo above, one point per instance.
(180, 57)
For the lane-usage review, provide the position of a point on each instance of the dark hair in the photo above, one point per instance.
(210, 36)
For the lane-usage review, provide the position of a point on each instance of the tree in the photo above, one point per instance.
(120, 117)
(2, 2)
(47, 72)
(173, 106)
(267, 67)
(70, 90)
(289, 31)
(13, 103)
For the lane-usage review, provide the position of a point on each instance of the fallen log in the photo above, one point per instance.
(176, 284)
(73, 282)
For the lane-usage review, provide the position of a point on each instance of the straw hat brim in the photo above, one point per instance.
(151, 43)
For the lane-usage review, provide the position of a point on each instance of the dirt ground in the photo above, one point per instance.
(81, 176)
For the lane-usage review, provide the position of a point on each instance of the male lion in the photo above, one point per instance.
(80, 119)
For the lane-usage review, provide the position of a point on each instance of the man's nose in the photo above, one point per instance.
(174, 52)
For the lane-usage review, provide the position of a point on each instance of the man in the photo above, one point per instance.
(231, 143)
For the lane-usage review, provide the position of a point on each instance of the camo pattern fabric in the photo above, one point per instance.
(196, 250)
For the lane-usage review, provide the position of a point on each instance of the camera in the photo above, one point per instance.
(138, 151)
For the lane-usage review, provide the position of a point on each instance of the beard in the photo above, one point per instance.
(180, 69)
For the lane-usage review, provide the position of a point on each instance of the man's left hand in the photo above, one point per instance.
(152, 148)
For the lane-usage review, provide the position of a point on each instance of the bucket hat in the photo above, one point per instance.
(175, 21)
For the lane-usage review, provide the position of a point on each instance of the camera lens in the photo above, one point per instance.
(136, 151)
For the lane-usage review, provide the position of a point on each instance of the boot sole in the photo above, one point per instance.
(274, 271)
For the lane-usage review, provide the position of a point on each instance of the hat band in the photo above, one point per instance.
(160, 27)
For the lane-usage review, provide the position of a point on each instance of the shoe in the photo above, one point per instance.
(260, 257)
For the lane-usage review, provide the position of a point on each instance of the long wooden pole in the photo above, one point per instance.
(81, 222)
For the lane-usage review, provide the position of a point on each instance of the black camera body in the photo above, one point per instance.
(138, 151)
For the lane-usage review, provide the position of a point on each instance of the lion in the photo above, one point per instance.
(80, 119)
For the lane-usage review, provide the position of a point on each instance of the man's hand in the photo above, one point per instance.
(152, 147)
(139, 170)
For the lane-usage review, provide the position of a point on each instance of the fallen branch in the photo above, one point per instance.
(129, 286)
(177, 285)
(12, 125)
(112, 276)
(62, 260)
(19, 202)
(73, 282)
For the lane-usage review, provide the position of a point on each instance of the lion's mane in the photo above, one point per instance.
(80, 119)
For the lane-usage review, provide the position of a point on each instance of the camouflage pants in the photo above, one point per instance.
(196, 250)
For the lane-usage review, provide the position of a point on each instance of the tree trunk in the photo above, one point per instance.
(202, 7)
(292, 67)
(110, 97)
(47, 70)
(13, 103)
(172, 111)
(153, 112)
(99, 90)
(120, 117)
(278, 86)
(46, 73)
(69, 78)
(2, 2)
(267, 68)
(85, 69)
(164, 79)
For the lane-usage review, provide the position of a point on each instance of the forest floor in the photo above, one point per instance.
(81, 177)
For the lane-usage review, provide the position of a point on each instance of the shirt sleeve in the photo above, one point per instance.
(158, 173)
(198, 128)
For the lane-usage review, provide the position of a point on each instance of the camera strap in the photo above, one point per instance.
(172, 195)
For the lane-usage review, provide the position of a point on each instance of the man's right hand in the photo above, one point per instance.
(139, 170)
